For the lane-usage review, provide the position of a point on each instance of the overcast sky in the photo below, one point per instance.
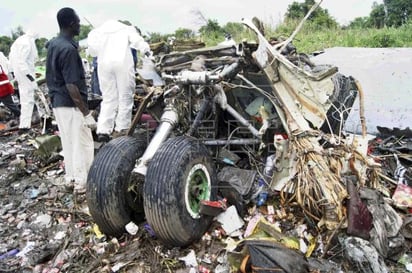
(164, 16)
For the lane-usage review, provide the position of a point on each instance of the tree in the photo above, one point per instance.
(320, 16)
(360, 22)
(377, 15)
(398, 12)
(84, 31)
(295, 11)
(6, 41)
(212, 32)
(212, 26)
(233, 28)
(392, 13)
(41, 48)
(184, 34)
(5, 44)
(155, 37)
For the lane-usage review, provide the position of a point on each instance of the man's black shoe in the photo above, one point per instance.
(103, 138)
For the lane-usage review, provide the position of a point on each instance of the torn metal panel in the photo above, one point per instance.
(305, 99)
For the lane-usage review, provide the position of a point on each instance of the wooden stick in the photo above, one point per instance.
(139, 112)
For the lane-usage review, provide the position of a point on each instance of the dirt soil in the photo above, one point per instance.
(44, 227)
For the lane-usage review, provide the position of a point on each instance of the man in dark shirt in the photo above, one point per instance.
(68, 94)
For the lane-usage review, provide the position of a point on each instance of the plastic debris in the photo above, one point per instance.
(29, 247)
(132, 228)
(190, 259)
(359, 217)
(40, 215)
(240, 179)
(406, 260)
(149, 230)
(9, 254)
(118, 266)
(363, 256)
(403, 196)
(252, 224)
(43, 220)
(263, 194)
(97, 232)
(270, 256)
(212, 208)
(230, 220)
(386, 221)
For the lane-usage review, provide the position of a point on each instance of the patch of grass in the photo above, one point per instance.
(312, 38)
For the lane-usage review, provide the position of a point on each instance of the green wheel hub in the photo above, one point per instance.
(198, 188)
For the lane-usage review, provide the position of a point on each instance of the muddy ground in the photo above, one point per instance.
(44, 227)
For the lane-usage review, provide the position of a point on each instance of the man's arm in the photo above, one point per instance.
(77, 98)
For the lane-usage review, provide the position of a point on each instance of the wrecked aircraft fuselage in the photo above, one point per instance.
(248, 107)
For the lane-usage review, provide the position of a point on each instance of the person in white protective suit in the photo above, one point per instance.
(22, 57)
(228, 40)
(111, 43)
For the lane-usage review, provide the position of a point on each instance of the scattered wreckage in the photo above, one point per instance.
(229, 126)
(247, 110)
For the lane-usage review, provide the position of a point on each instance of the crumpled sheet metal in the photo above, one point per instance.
(363, 256)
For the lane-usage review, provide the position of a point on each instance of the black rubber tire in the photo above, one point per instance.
(165, 186)
(108, 182)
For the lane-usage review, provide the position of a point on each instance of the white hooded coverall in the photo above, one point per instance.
(22, 57)
(4, 62)
(111, 43)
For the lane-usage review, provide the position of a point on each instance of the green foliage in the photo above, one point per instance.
(312, 38)
(320, 16)
(296, 11)
(383, 39)
(212, 33)
(211, 27)
(155, 37)
(84, 31)
(40, 44)
(398, 12)
(360, 22)
(377, 16)
(237, 30)
(392, 13)
(389, 25)
(233, 28)
(184, 34)
(5, 44)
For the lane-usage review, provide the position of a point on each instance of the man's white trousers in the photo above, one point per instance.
(77, 143)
